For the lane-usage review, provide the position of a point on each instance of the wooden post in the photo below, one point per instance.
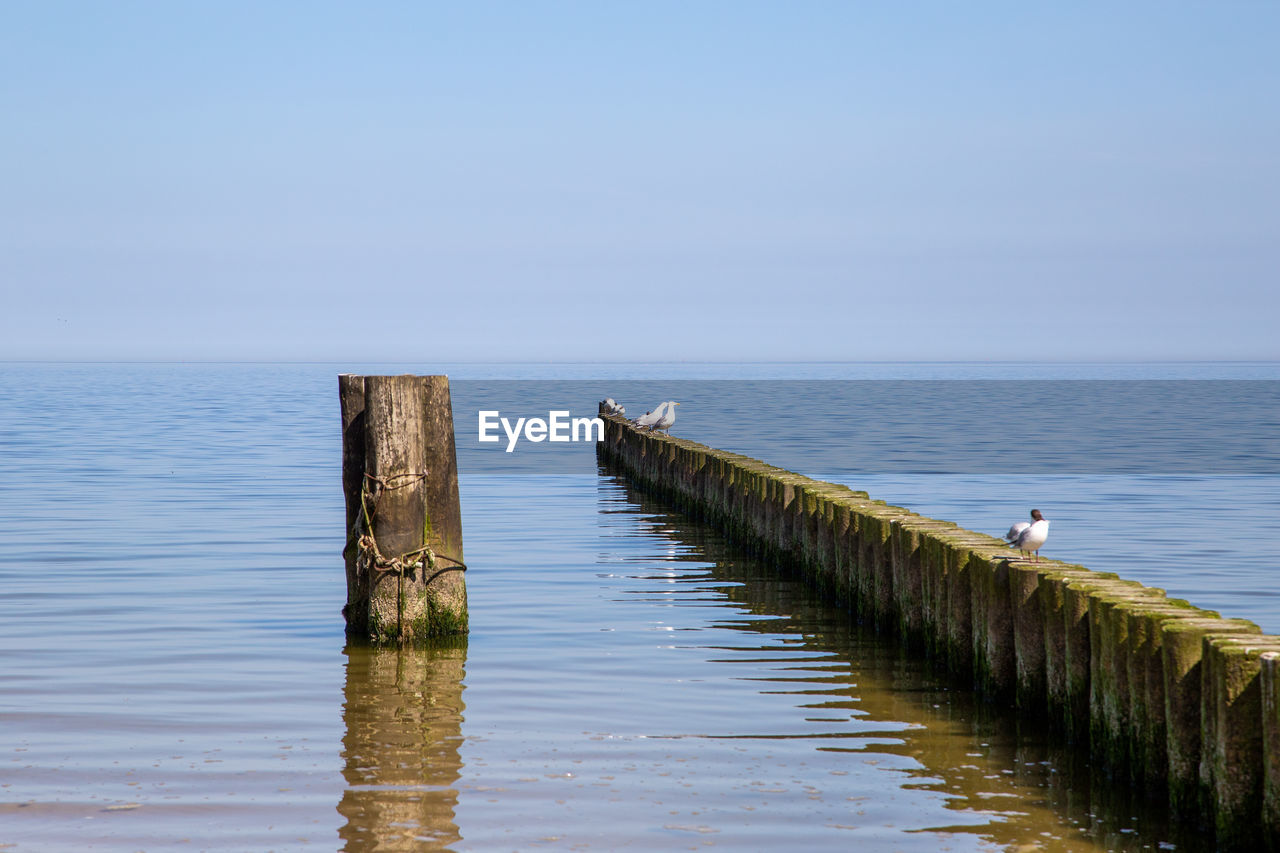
(404, 521)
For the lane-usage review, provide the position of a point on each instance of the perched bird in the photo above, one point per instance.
(648, 419)
(1029, 536)
(611, 406)
(668, 416)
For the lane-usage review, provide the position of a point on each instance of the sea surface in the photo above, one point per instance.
(174, 672)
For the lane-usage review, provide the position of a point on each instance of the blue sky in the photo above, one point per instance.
(650, 181)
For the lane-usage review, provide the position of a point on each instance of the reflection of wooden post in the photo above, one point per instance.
(404, 522)
(403, 713)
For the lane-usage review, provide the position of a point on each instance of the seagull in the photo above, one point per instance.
(648, 419)
(1029, 536)
(669, 416)
(612, 407)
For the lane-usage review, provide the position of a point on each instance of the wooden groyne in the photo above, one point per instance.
(1164, 696)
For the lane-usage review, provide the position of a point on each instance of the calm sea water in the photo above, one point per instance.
(174, 673)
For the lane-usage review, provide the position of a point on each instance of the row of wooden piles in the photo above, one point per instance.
(1162, 694)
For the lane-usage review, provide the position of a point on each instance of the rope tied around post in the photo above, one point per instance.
(368, 552)
(409, 479)
(372, 563)
(370, 558)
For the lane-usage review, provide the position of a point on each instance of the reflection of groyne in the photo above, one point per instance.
(971, 752)
(403, 713)
(1164, 695)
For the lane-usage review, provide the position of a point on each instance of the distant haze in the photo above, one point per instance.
(648, 181)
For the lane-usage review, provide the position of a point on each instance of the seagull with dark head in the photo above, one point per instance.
(1029, 535)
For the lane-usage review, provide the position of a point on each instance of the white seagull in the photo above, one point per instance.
(648, 419)
(612, 407)
(669, 416)
(1029, 535)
